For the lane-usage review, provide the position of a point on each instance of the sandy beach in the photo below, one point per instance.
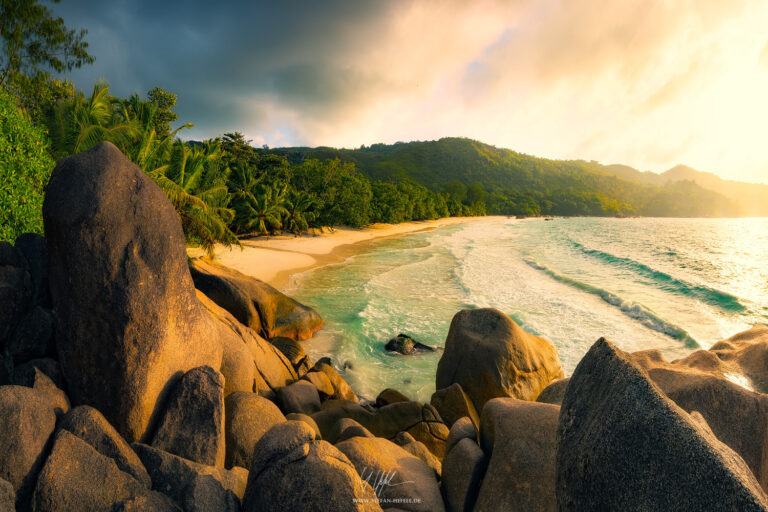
(275, 258)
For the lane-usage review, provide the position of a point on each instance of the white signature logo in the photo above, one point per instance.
(380, 479)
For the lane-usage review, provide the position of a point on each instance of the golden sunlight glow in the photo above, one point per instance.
(646, 83)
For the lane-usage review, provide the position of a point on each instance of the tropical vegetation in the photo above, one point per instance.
(25, 167)
(502, 181)
(223, 188)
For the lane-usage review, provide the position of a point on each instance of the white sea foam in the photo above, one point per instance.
(417, 283)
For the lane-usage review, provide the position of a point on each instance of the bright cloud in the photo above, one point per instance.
(646, 83)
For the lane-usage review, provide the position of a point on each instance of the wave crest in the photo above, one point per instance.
(631, 309)
(711, 296)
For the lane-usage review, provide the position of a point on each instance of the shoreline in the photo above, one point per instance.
(274, 259)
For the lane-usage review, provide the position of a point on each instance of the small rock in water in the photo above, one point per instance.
(406, 345)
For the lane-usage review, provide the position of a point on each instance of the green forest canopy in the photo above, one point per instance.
(513, 183)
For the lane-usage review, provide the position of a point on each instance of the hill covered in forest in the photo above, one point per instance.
(752, 198)
(509, 182)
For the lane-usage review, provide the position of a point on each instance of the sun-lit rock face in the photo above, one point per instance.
(490, 356)
(719, 384)
(622, 443)
(255, 303)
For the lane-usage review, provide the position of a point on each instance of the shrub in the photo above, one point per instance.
(25, 167)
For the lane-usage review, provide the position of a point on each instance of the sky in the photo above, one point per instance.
(647, 83)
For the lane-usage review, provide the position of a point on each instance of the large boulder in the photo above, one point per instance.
(342, 390)
(298, 416)
(7, 497)
(78, 478)
(35, 250)
(738, 416)
(419, 450)
(323, 384)
(490, 356)
(406, 345)
(175, 476)
(249, 362)
(623, 444)
(154, 502)
(398, 478)
(520, 440)
(390, 396)
(419, 420)
(301, 397)
(128, 320)
(294, 352)
(554, 393)
(205, 494)
(27, 422)
(25, 374)
(192, 426)
(15, 290)
(33, 336)
(453, 404)
(463, 428)
(92, 427)
(463, 469)
(11, 256)
(291, 470)
(347, 428)
(744, 354)
(248, 418)
(48, 391)
(255, 303)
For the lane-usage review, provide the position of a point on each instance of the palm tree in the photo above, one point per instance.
(147, 150)
(80, 123)
(298, 212)
(183, 172)
(242, 178)
(261, 209)
(202, 204)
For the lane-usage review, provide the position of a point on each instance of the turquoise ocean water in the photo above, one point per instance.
(671, 284)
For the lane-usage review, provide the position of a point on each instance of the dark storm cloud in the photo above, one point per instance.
(217, 57)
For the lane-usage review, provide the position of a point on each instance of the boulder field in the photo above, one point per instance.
(132, 379)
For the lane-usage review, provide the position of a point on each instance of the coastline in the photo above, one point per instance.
(274, 259)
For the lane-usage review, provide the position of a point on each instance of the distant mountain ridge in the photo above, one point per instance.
(509, 182)
(751, 198)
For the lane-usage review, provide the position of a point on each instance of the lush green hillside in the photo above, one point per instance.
(515, 183)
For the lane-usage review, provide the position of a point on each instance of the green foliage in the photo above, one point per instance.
(223, 187)
(190, 180)
(299, 211)
(164, 102)
(38, 94)
(25, 167)
(343, 195)
(260, 210)
(33, 40)
(79, 123)
(193, 177)
(477, 177)
(238, 152)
